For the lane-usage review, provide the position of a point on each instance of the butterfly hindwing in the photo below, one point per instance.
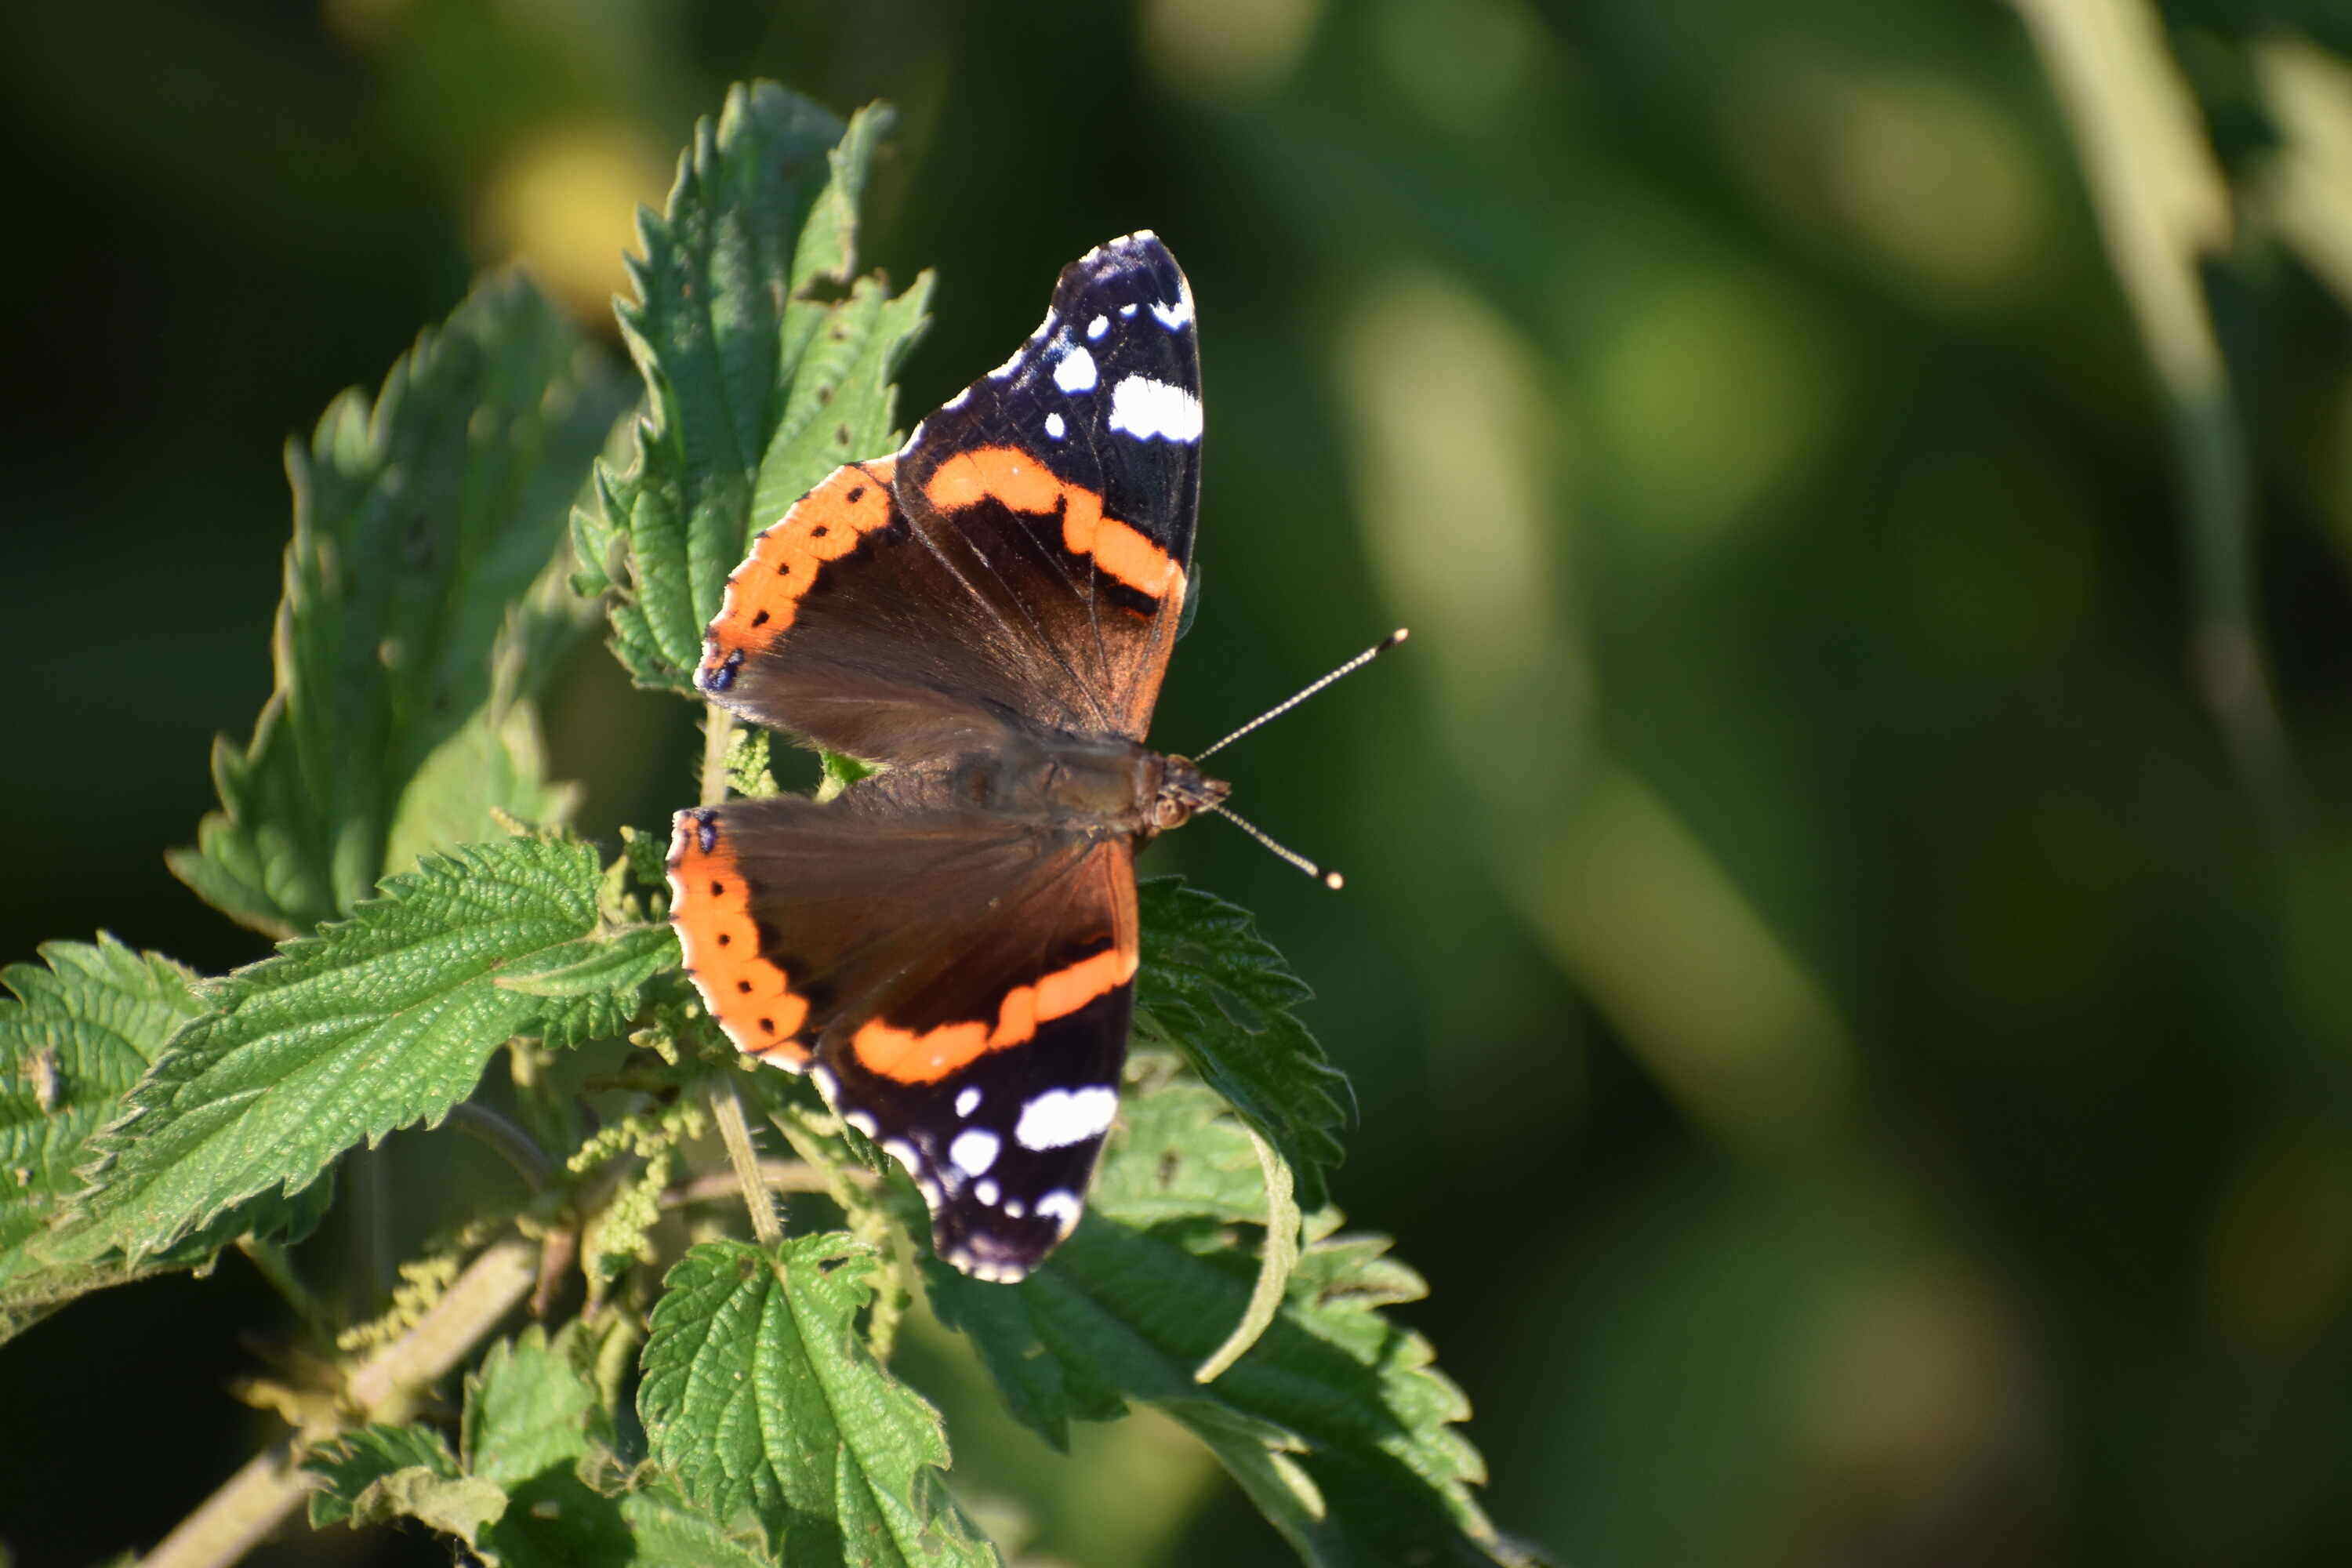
(964, 988)
(994, 1082)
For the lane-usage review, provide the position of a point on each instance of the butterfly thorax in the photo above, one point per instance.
(1089, 784)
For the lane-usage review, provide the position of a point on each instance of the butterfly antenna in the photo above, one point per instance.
(1285, 706)
(1331, 880)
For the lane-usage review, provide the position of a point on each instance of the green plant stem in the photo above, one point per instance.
(727, 1109)
(1274, 1267)
(270, 1260)
(855, 1191)
(512, 1144)
(717, 730)
(779, 1176)
(269, 1488)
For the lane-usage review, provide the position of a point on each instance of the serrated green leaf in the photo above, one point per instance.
(760, 1394)
(78, 1036)
(533, 1417)
(594, 967)
(765, 367)
(671, 1533)
(1336, 1422)
(379, 1022)
(383, 1473)
(837, 773)
(420, 525)
(533, 1404)
(1219, 993)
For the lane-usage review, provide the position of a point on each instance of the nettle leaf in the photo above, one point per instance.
(533, 1419)
(766, 366)
(1335, 1421)
(420, 525)
(760, 1398)
(379, 1474)
(670, 1533)
(1219, 993)
(79, 1035)
(379, 1022)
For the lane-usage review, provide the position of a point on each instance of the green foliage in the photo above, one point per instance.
(760, 1396)
(1335, 1421)
(1218, 992)
(536, 1431)
(80, 1034)
(401, 705)
(379, 1474)
(767, 365)
(150, 1119)
(379, 1022)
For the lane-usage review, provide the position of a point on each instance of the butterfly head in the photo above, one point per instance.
(1184, 790)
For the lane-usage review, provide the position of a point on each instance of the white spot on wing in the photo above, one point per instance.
(985, 1190)
(904, 1152)
(1127, 311)
(1097, 327)
(1055, 427)
(1060, 1117)
(967, 1101)
(1060, 1206)
(826, 1084)
(1016, 1207)
(974, 1150)
(1009, 366)
(1076, 373)
(958, 401)
(861, 1122)
(1178, 314)
(1043, 327)
(1145, 408)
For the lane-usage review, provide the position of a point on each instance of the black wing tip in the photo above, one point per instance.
(1140, 254)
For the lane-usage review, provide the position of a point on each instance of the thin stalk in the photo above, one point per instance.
(269, 1488)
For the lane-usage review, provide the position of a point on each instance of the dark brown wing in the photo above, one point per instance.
(963, 985)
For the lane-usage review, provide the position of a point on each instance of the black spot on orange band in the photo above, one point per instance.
(747, 992)
(765, 592)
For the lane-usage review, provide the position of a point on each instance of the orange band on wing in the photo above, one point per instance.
(907, 1056)
(1011, 476)
(747, 992)
(764, 594)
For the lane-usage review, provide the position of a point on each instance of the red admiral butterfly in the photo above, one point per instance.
(949, 946)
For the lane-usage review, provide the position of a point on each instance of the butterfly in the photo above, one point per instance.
(949, 945)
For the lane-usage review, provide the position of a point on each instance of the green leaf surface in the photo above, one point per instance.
(761, 1397)
(420, 526)
(379, 1022)
(533, 1404)
(765, 366)
(1219, 993)
(84, 1024)
(1335, 1421)
(533, 1419)
(671, 1533)
(379, 1474)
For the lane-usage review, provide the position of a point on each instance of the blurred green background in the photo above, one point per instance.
(1845, 961)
